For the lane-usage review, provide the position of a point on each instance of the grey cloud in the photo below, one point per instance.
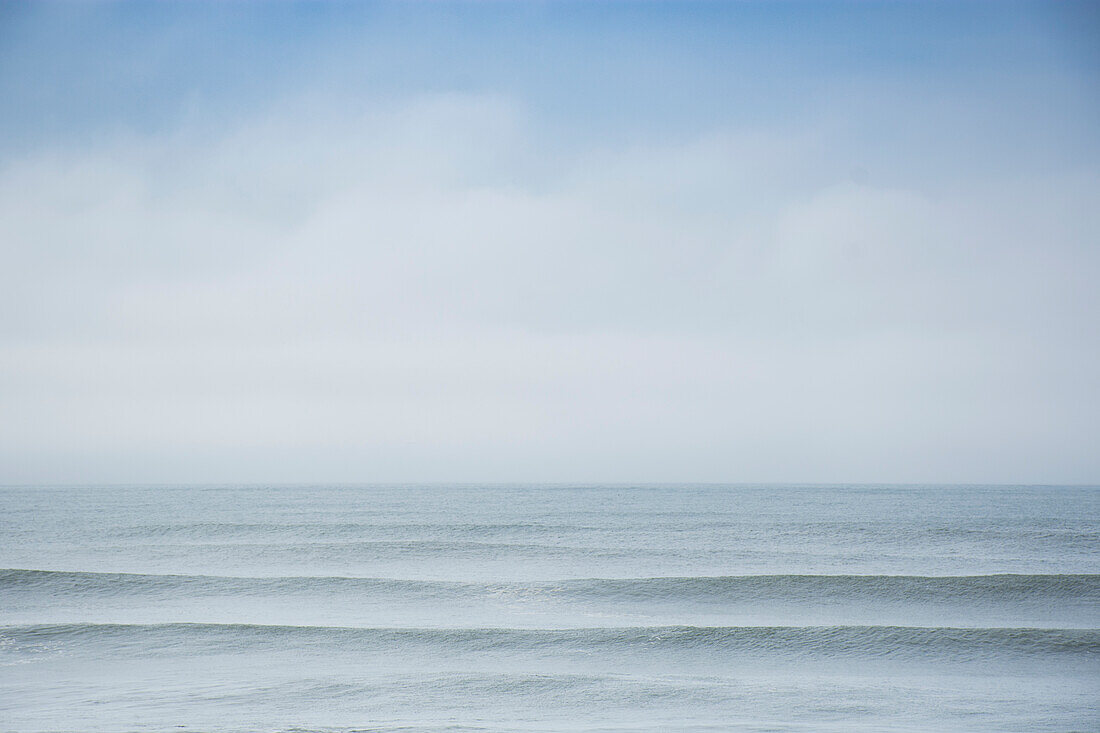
(407, 293)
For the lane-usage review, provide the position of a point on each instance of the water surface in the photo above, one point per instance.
(650, 608)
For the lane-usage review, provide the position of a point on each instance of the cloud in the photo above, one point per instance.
(429, 291)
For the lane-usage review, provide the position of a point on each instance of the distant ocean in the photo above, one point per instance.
(573, 608)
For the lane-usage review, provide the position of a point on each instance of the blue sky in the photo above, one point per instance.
(594, 69)
(637, 241)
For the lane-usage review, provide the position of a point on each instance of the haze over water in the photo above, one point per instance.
(642, 608)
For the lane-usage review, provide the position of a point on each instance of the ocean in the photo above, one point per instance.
(550, 608)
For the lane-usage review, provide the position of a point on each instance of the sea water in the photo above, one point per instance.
(550, 608)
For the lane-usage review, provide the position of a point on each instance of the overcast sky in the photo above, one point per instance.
(638, 242)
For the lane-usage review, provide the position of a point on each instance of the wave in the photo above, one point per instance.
(343, 530)
(718, 589)
(1065, 533)
(889, 642)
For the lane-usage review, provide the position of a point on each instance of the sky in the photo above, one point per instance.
(295, 242)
